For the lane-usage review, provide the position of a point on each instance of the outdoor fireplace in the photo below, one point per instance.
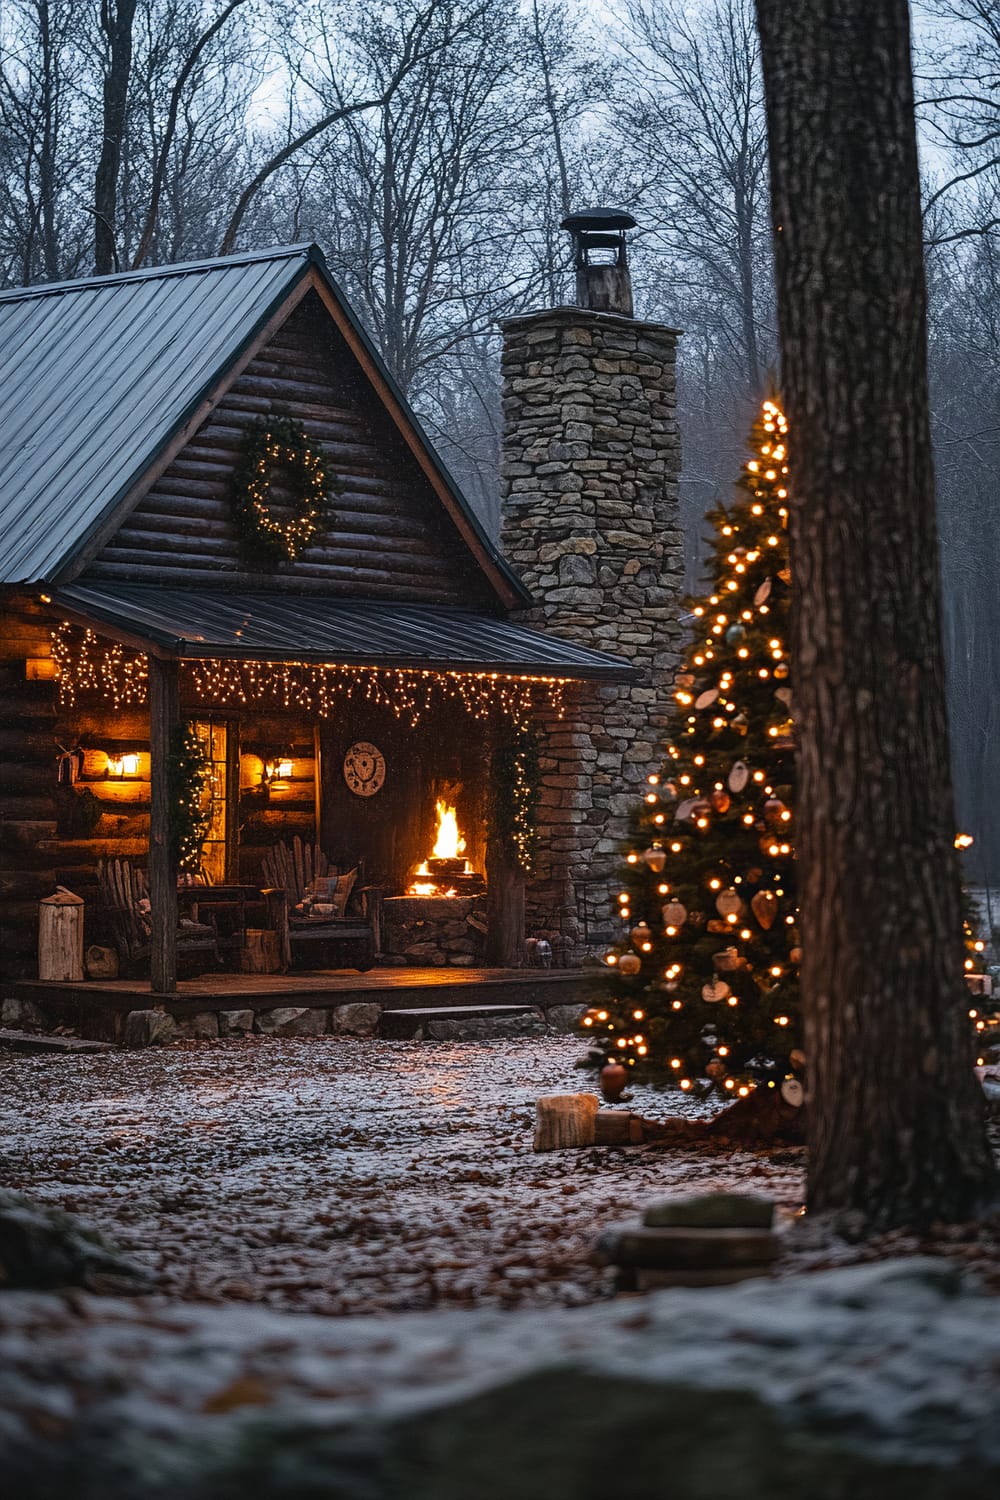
(446, 872)
(441, 918)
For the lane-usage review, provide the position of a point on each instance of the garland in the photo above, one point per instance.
(514, 795)
(188, 769)
(270, 443)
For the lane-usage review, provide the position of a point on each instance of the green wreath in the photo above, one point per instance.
(279, 442)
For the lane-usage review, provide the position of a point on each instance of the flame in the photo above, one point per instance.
(450, 843)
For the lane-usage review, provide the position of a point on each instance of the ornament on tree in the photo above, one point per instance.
(739, 775)
(714, 991)
(729, 903)
(720, 801)
(655, 858)
(764, 905)
(674, 914)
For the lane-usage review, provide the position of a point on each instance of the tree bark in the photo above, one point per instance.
(896, 1131)
(117, 17)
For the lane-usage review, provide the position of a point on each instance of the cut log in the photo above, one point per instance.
(563, 1120)
(60, 937)
(261, 953)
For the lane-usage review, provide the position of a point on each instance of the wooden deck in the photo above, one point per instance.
(397, 989)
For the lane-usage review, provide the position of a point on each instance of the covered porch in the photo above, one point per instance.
(347, 724)
(340, 1001)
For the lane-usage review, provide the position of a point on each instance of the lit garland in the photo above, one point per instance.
(514, 795)
(279, 442)
(85, 665)
(189, 815)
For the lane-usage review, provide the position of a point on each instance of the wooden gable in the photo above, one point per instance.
(387, 534)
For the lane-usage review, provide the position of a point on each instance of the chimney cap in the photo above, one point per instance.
(599, 218)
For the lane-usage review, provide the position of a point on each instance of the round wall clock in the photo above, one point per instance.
(364, 768)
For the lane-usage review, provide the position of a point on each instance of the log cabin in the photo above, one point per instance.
(221, 514)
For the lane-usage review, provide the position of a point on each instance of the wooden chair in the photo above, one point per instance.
(125, 900)
(351, 941)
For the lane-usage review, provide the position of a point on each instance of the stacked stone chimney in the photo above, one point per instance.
(591, 463)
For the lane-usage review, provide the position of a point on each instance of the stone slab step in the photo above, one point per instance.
(686, 1249)
(454, 1023)
(30, 1041)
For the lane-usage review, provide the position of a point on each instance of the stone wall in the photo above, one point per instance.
(590, 522)
(422, 930)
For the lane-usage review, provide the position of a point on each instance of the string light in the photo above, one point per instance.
(87, 665)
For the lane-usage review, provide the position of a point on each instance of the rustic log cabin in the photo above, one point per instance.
(257, 648)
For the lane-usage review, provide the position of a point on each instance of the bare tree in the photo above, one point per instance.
(896, 1131)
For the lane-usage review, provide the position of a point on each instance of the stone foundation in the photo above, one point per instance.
(426, 930)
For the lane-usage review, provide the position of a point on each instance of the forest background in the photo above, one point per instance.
(432, 147)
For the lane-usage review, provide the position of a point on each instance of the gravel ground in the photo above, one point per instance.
(340, 1176)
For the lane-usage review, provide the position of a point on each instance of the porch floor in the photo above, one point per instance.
(398, 988)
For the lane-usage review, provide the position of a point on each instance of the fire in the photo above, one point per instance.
(434, 876)
(450, 843)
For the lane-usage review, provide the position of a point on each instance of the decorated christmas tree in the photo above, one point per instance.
(705, 980)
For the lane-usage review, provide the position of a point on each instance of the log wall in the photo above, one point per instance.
(386, 535)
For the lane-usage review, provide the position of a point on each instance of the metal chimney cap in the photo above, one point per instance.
(599, 218)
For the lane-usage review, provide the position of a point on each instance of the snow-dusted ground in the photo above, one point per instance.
(340, 1176)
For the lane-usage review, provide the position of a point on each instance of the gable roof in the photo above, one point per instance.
(102, 379)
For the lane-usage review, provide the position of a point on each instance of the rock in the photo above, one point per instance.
(359, 1018)
(565, 1017)
(877, 1382)
(677, 1249)
(486, 1028)
(235, 1022)
(292, 1020)
(148, 1028)
(23, 1015)
(202, 1027)
(43, 1247)
(711, 1211)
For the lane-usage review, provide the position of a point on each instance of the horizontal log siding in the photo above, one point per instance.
(387, 535)
(28, 750)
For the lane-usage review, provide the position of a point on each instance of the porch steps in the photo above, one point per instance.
(461, 1023)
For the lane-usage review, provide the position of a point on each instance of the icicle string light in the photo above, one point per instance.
(86, 665)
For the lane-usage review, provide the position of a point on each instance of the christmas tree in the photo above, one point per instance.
(705, 982)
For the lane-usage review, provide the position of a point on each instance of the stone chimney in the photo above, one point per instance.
(591, 461)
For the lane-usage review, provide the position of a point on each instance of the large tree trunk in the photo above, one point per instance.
(896, 1131)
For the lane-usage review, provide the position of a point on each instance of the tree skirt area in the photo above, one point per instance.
(340, 1176)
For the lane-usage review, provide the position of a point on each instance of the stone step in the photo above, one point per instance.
(462, 1023)
(30, 1041)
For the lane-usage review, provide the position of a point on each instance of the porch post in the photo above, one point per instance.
(164, 713)
(504, 909)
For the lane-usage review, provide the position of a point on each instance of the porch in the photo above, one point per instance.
(98, 1009)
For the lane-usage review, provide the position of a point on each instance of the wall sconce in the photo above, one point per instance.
(276, 770)
(123, 765)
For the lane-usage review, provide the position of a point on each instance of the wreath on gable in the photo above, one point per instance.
(278, 443)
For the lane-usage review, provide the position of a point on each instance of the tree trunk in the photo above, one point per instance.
(117, 18)
(896, 1132)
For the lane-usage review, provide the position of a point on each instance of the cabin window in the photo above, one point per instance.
(220, 739)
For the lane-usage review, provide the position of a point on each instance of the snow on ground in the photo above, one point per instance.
(339, 1176)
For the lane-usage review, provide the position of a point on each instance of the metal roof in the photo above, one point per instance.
(98, 375)
(198, 623)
